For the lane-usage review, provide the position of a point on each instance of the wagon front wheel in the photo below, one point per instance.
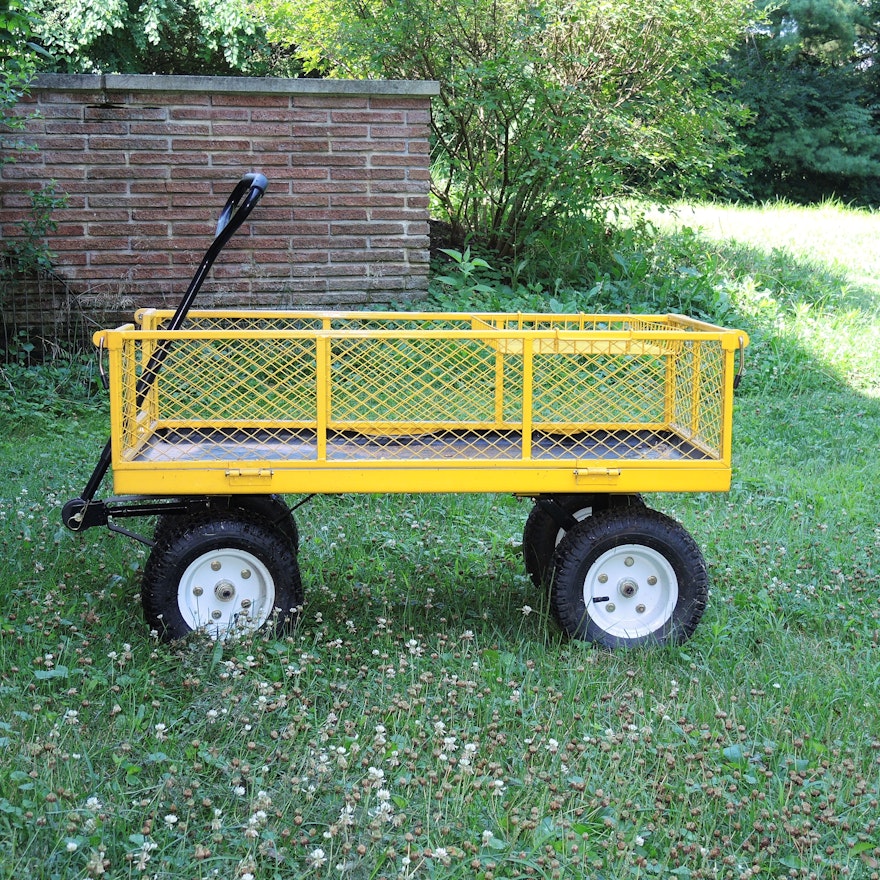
(629, 577)
(224, 573)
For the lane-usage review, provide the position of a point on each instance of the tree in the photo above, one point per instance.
(207, 37)
(546, 107)
(809, 76)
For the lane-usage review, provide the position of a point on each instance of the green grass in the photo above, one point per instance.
(425, 718)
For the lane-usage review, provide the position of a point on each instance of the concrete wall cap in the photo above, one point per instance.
(230, 85)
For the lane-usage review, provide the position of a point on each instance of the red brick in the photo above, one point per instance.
(370, 116)
(300, 115)
(331, 102)
(378, 102)
(190, 113)
(201, 130)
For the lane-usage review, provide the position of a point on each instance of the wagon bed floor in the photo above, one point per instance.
(348, 446)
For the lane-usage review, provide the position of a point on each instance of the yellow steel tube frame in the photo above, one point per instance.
(513, 334)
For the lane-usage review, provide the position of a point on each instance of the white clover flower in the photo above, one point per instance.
(171, 820)
(526, 610)
(317, 858)
(93, 804)
(72, 846)
(487, 837)
(375, 774)
(258, 819)
(384, 812)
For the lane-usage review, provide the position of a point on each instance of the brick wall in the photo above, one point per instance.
(147, 163)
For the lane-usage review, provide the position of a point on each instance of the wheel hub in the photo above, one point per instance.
(224, 590)
(628, 588)
(643, 594)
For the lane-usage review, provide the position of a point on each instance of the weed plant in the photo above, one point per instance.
(425, 718)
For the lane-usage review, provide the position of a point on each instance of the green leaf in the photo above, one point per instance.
(735, 754)
(56, 672)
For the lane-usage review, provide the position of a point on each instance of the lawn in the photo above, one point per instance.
(426, 718)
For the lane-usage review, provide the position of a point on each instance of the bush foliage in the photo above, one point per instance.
(546, 109)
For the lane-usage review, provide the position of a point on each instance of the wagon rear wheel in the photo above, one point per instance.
(629, 577)
(552, 517)
(226, 573)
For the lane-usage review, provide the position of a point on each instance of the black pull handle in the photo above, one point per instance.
(233, 213)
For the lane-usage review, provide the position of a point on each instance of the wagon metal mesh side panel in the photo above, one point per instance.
(301, 402)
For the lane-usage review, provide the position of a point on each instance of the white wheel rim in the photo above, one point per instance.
(631, 591)
(225, 593)
(580, 516)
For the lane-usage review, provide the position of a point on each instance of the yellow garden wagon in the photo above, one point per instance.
(216, 415)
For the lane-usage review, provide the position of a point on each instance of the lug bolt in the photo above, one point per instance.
(197, 591)
(652, 580)
(629, 561)
(245, 574)
(603, 578)
(610, 607)
(246, 603)
(215, 565)
(217, 614)
(640, 609)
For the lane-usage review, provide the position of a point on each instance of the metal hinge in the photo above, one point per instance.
(596, 474)
(250, 475)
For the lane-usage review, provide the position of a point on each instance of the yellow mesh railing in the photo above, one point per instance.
(417, 387)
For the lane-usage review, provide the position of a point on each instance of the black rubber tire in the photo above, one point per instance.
(225, 556)
(270, 507)
(543, 532)
(629, 577)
